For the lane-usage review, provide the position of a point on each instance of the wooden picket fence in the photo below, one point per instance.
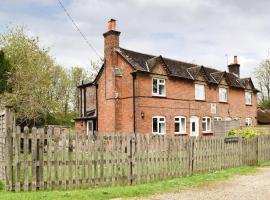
(39, 159)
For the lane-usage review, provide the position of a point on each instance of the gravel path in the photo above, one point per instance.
(250, 187)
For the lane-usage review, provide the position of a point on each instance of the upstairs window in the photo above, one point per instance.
(248, 98)
(199, 92)
(206, 124)
(158, 125)
(158, 87)
(248, 121)
(180, 125)
(223, 94)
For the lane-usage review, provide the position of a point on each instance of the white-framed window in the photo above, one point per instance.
(180, 125)
(228, 119)
(223, 94)
(159, 125)
(248, 98)
(217, 118)
(158, 87)
(199, 92)
(248, 121)
(206, 124)
(236, 118)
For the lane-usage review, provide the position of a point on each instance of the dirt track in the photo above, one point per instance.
(251, 187)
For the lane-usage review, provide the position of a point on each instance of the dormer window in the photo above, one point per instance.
(223, 94)
(158, 87)
(248, 98)
(199, 92)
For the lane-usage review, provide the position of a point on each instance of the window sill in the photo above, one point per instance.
(159, 96)
(202, 100)
(225, 102)
(180, 134)
(248, 104)
(208, 133)
(159, 134)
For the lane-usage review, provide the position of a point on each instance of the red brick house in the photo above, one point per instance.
(137, 92)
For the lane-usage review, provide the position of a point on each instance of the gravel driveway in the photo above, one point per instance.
(250, 187)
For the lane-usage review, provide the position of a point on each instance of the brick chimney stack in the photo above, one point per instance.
(111, 39)
(234, 67)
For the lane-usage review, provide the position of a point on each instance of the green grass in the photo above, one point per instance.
(264, 164)
(130, 191)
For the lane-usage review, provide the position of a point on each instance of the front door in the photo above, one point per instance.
(90, 127)
(194, 126)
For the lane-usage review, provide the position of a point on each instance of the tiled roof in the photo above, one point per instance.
(145, 62)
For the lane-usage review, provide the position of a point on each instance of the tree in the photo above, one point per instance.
(4, 69)
(30, 76)
(263, 81)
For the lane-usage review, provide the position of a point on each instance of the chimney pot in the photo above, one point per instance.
(235, 60)
(111, 25)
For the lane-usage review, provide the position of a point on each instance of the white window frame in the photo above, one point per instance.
(248, 121)
(217, 118)
(221, 97)
(159, 83)
(204, 120)
(178, 120)
(248, 101)
(227, 119)
(158, 122)
(197, 92)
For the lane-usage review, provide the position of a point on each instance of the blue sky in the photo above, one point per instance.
(199, 31)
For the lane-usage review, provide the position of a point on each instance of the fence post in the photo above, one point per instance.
(241, 150)
(191, 155)
(132, 152)
(10, 123)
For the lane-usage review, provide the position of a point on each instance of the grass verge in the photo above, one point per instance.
(130, 191)
(263, 164)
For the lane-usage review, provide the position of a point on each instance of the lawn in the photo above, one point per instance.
(130, 191)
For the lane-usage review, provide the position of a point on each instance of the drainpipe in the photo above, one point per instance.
(96, 107)
(133, 97)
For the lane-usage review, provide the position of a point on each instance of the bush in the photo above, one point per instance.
(244, 132)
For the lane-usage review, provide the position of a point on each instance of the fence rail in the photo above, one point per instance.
(40, 159)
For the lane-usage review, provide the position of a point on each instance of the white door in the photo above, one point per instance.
(194, 126)
(90, 127)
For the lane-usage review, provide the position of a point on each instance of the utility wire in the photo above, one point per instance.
(78, 29)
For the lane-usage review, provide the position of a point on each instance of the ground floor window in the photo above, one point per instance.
(180, 125)
(248, 121)
(206, 124)
(217, 118)
(158, 125)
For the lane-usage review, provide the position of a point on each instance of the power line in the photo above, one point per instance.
(78, 29)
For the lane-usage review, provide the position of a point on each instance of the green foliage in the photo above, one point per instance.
(42, 91)
(30, 77)
(62, 119)
(265, 104)
(247, 132)
(2, 186)
(5, 68)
